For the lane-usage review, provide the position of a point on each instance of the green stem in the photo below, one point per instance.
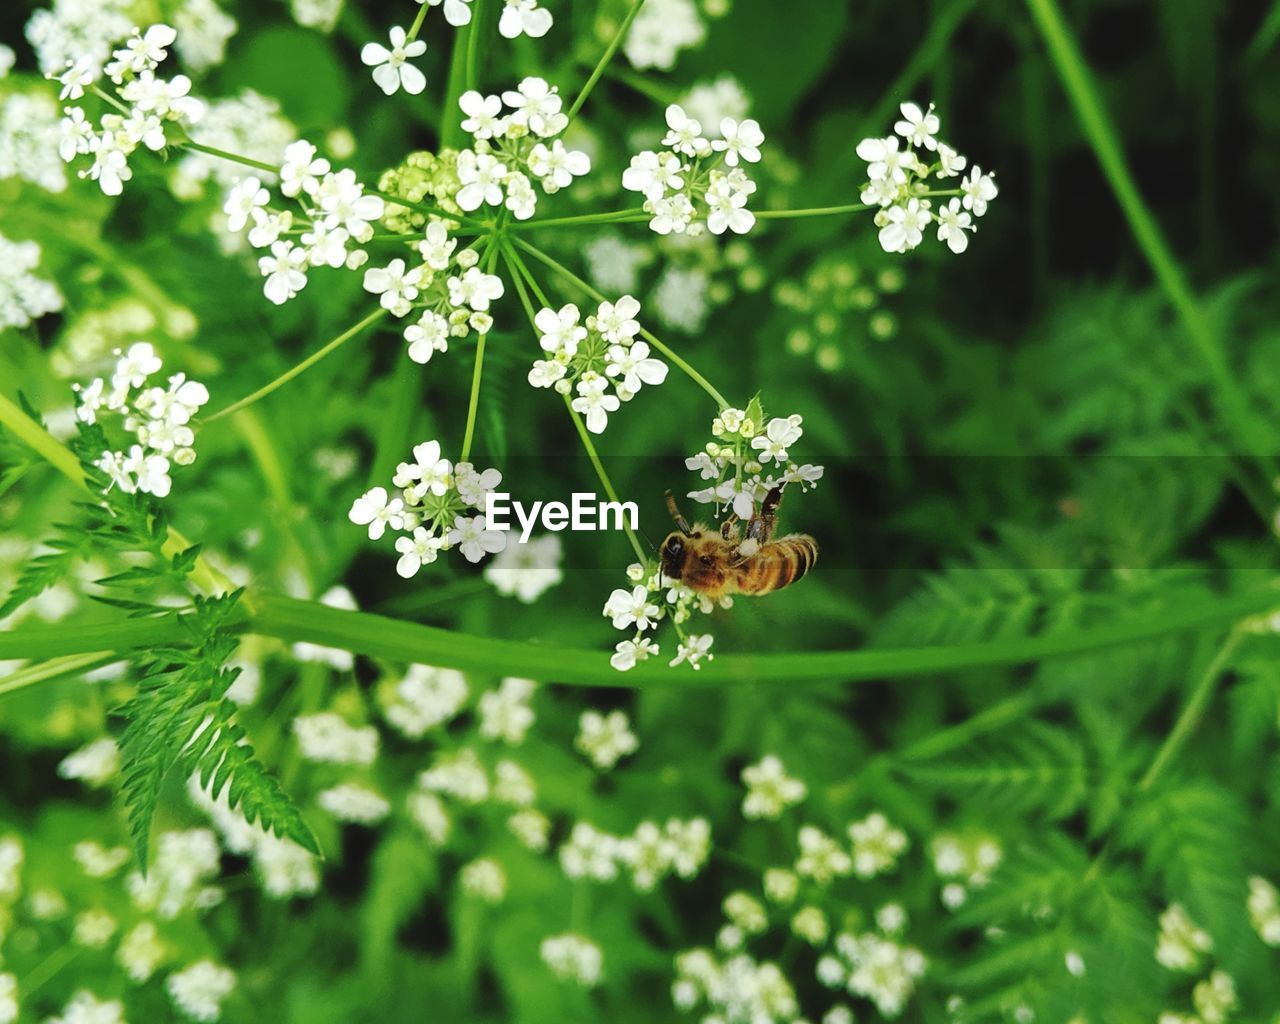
(55, 668)
(1078, 82)
(605, 58)
(300, 368)
(462, 76)
(648, 335)
(632, 216)
(235, 158)
(295, 621)
(1194, 710)
(416, 27)
(435, 211)
(817, 211)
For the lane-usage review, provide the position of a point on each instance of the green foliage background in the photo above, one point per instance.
(1051, 441)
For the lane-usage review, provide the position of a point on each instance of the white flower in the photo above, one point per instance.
(979, 189)
(634, 366)
(268, 226)
(546, 372)
(199, 990)
(76, 78)
(166, 98)
(246, 196)
(390, 68)
(556, 167)
(573, 958)
(372, 509)
(353, 803)
(560, 332)
(472, 486)
(950, 162)
(456, 12)
(302, 169)
(83, 1008)
(505, 713)
(416, 551)
(905, 227)
(484, 114)
(95, 763)
(526, 570)
(524, 16)
(590, 853)
(284, 270)
(770, 790)
(918, 126)
(395, 286)
(671, 215)
(481, 175)
(653, 174)
(428, 336)
(437, 247)
(626, 653)
(617, 322)
(485, 879)
(142, 52)
(632, 608)
(522, 200)
(876, 845)
(475, 289)
(474, 538)
(728, 209)
(536, 105)
(428, 473)
(151, 471)
(134, 367)
(326, 245)
(741, 141)
(778, 436)
(594, 403)
(342, 198)
(110, 168)
(694, 650)
(821, 857)
(684, 133)
(953, 222)
(605, 739)
(886, 160)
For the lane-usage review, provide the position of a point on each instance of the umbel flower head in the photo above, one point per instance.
(901, 170)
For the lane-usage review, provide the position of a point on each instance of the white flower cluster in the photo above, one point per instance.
(875, 967)
(177, 879)
(200, 990)
(661, 30)
(650, 599)
(30, 133)
(327, 738)
(85, 1006)
(650, 854)
(450, 293)
(964, 862)
(1181, 943)
(748, 458)
(434, 497)
(573, 958)
(898, 183)
(96, 763)
(877, 845)
(71, 30)
(158, 417)
(526, 569)
(515, 144)
(600, 361)
(770, 791)
(1264, 910)
(337, 217)
(739, 989)
(392, 70)
(148, 101)
(23, 296)
(605, 739)
(505, 714)
(697, 182)
(423, 699)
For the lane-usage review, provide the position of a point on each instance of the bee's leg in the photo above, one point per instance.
(729, 528)
(763, 523)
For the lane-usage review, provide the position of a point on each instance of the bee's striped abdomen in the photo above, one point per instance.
(778, 564)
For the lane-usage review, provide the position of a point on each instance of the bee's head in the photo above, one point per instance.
(672, 554)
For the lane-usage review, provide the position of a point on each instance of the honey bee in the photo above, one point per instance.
(717, 563)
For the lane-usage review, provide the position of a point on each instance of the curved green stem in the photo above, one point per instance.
(235, 158)
(648, 335)
(300, 368)
(294, 621)
(607, 56)
(632, 216)
(55, 668)
(816, 211)
(477, 373)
